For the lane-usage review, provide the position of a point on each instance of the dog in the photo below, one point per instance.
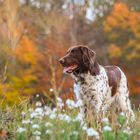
(99, 87)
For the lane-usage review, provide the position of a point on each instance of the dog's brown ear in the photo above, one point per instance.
(94, 68)
(89, 60)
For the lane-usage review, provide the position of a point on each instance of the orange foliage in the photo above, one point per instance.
(116, 19)
(114, 51)
(122, 29)
(122, 18)
(134, 82)
(27, 51)
(34, 66)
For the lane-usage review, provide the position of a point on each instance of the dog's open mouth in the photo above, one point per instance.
(70, 69)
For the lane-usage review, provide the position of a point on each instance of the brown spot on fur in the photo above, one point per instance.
(114, 76)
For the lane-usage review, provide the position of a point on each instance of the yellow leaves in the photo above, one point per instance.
(18, 88)
(22, 82)
(132, 55)
(109, 23)
(114, 51)
(133, 48)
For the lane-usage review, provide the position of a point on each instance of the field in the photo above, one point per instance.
(63, 122)
(34, 35)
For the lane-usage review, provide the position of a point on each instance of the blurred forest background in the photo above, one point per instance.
(34, 34)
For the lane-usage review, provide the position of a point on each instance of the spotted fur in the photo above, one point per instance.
(98, 87)
(96, 92)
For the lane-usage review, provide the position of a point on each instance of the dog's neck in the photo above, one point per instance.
(84, 76)
(78, 78)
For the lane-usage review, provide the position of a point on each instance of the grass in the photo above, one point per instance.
(39, 122)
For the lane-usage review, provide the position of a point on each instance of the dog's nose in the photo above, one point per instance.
(61, 61)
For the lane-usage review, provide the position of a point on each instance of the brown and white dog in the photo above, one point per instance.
(97, 86)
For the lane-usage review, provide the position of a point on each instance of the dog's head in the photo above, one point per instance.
(80, 59)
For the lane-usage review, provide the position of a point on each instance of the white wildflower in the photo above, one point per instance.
(84, 127)
(59, 99)
(38, 103)
(21, 129)
(105, 120)
(30, 110)
(37, 95)
(63, 110)
(47, 110)
(60, 102)
(75, 133)
(39, 113)
(91, 132)
(60, 105)
(60, 116)
(33, 114)
(37, 133)
(36, 126)
(47, 113)
(48, 124)
(70, 103)
(54, 110)
(23, 113)
(26, 121)
(48, 132)
(62, 131)
(46, 107)
(67, 118)
(51, 89)
(39, 110)
(79, 117)
(122, 114)
(64, 6)
(64, 117)
(37, 138)
(52, 116)
(107, 128)
(36, 115)
(127, 131)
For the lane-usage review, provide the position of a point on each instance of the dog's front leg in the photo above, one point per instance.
(94, 109)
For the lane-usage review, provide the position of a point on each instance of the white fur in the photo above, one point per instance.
(96, 93)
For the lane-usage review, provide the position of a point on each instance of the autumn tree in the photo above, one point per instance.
(123, 35)
(35, 34)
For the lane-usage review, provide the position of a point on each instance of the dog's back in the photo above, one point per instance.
(114, 76)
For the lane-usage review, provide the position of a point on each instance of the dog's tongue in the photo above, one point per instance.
(69, 69)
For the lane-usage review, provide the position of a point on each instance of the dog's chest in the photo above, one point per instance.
(88, 86)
